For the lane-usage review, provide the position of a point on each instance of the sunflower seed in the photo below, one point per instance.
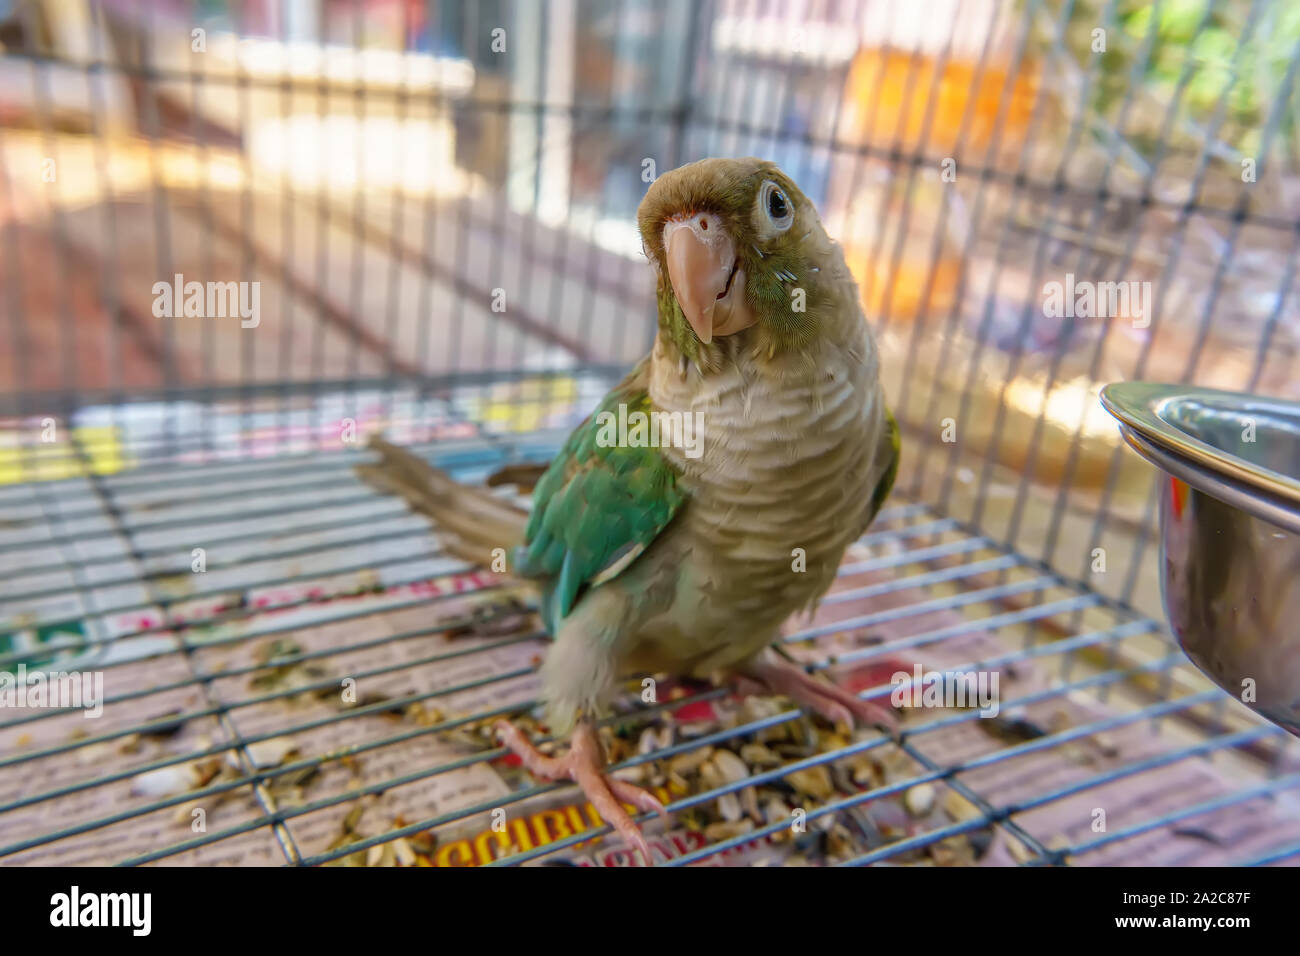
(695, 729)
(94, 753)
(163, 782)
(757, 755)
(633, 774)
(690, 761)
(776, 809)
(731, 767)
(729, 807)
(726, 830)
(710, 776)
(403, 852)
(648, 742)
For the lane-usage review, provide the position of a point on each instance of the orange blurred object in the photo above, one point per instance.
(887, 92)
(901, 293)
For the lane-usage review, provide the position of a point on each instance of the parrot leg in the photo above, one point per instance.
(832, 702)
(584, 764)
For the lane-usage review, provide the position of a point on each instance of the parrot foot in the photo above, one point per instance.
(834, 703)
(585, 764)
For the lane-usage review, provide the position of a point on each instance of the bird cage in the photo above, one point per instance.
(235, 242)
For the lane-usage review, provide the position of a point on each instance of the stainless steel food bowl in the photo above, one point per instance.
(1229, 532)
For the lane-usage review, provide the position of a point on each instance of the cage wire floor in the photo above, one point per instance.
(228, 734)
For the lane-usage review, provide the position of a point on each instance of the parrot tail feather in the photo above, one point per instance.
(471, 522)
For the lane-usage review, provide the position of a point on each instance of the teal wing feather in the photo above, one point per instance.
(597, 507)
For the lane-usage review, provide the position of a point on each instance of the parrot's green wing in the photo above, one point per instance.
(890, 445)
(597, 507)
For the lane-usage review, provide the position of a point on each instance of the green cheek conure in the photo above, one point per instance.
(679, 555)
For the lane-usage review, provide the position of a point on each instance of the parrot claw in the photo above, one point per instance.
(584, 764)
(834, 703)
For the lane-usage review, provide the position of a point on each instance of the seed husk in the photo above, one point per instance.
(272, 752)
(814, 781)
(1019, 851)
(953, 851)
(958, 807)
(919, 800)
(864, 772)
(353, 819)
(423, 842)
(982, 840)
(165, 730)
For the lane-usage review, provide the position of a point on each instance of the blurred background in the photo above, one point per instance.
(435, 202)
(379, 168)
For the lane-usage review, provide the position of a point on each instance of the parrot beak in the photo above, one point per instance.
(706, 275)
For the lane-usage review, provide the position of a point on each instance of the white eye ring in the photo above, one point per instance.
(776, 206)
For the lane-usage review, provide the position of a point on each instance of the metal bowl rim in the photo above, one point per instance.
(1261, 506)
(1139, 405)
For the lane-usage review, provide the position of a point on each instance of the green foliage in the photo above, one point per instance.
(1199, 34)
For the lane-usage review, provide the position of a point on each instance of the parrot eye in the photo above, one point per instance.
(777, 206)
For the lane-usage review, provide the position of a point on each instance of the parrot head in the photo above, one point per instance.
(738, 250)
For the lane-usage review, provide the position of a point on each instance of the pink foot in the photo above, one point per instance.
(832, 702)
(584, 764)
